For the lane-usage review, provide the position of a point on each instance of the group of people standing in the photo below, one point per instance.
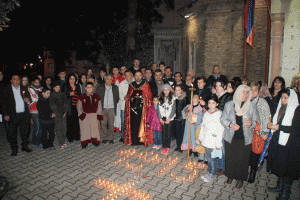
(152, 106)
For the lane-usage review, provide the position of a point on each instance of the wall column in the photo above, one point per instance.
(277, 22)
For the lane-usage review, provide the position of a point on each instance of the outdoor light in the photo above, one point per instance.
(189, 15)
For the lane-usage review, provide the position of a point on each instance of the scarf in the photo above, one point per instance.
(288, 116)
(237, 100)
(264, 91)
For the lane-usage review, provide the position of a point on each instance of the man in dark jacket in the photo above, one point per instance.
(216, 76)
(16, 113)
(157, 83)
(109, 95)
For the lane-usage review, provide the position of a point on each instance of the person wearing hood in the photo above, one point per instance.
(239, 119)
(179, 121)
(284, 149)
(60, 106)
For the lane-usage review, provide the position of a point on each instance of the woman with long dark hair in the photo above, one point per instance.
(278, 84)
(73, 92)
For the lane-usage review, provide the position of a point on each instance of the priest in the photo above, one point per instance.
(138, 100)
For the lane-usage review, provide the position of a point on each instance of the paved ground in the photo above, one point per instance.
(70, 174)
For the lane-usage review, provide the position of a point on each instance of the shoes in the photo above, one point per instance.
(238, 186)
(26, 149)
(121, 140)
(195, 154)
(220, 172)
(154, 147)
(278, 187)
(163, 151)
(96, 145)
(84, 146)
(104, 141)
(111, 142)
(209, 178)
(14, 152)
(205, 176)
(62, 147)
(167, 151)
(158, 147)
(177, 148)
(180, 150)
(228, 182)
(252, 175)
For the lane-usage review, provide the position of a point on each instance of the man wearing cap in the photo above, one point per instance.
(138, 100)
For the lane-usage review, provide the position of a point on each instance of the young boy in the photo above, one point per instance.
(59, 104)
(46, 116)
(89, 112)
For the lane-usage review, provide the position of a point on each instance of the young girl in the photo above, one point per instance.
(192, 112)
(211, 135)
(179, 120)
(46, 116)
(166, 113)
(154, 124)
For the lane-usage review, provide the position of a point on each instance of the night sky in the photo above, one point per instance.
(37, 24)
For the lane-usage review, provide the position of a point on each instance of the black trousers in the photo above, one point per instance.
(166, 135)
(178, 126)
(22, 121)
(47, 128)
(73, 129)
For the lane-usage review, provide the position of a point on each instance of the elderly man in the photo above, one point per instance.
(216, 76)
(109, 94)
(138, 100)
(16, 113)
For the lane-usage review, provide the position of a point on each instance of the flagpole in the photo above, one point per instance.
(245, 44)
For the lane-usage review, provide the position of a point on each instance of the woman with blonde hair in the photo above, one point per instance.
(239, 119)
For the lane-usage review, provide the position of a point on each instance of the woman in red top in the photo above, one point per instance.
(73, 92)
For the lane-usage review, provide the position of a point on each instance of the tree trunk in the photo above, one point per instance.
(131, 27)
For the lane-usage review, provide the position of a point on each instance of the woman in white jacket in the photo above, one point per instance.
(211, 135)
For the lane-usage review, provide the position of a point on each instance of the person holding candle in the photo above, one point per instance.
(264, 116)
(202, 90)
(284, 149)
(192, 113)
(166, 113)
(239, 119)
(211, 135)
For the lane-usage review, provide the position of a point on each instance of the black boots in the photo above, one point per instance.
(285, 192)
(252, 174)
(278, 188)
(14, 151)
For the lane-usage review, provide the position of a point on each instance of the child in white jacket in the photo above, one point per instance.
(211, 135)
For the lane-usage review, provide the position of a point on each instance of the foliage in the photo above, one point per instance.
(6, 6)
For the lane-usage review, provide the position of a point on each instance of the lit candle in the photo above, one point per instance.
(192, 85)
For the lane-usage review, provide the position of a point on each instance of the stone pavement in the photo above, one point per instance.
(70, 174)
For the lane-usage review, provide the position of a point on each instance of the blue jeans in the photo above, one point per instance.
(221, 164)
(212, 162)
(157, 137)
(122, 123)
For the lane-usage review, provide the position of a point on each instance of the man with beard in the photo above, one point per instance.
(138, 100)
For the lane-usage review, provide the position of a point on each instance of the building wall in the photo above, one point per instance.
(217, 31)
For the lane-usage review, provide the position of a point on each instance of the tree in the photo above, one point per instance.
(6, 6)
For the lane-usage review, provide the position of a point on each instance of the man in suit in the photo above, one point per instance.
(16, 113)
(109, 94)
(216, 76)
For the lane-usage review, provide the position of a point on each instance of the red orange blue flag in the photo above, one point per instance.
(249, 21)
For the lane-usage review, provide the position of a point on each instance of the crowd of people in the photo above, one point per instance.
(153, 106)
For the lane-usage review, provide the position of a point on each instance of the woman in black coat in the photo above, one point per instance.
(284, 150)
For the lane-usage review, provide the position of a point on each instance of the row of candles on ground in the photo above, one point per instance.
(193, 166)
(116, 190)
(170, 163)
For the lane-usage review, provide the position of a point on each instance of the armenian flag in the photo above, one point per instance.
(249, 21)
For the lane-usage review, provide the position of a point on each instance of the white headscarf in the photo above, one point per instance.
(288, 116)
(237, 100)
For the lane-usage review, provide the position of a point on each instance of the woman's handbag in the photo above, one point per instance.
(199, 148)
(257, 141)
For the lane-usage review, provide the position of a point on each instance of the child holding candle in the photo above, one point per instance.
(166, 113)
(153, 122)
(211, 135)
(192, 113)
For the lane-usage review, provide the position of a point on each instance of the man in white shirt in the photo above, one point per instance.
(123, 88)
(16, 113)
